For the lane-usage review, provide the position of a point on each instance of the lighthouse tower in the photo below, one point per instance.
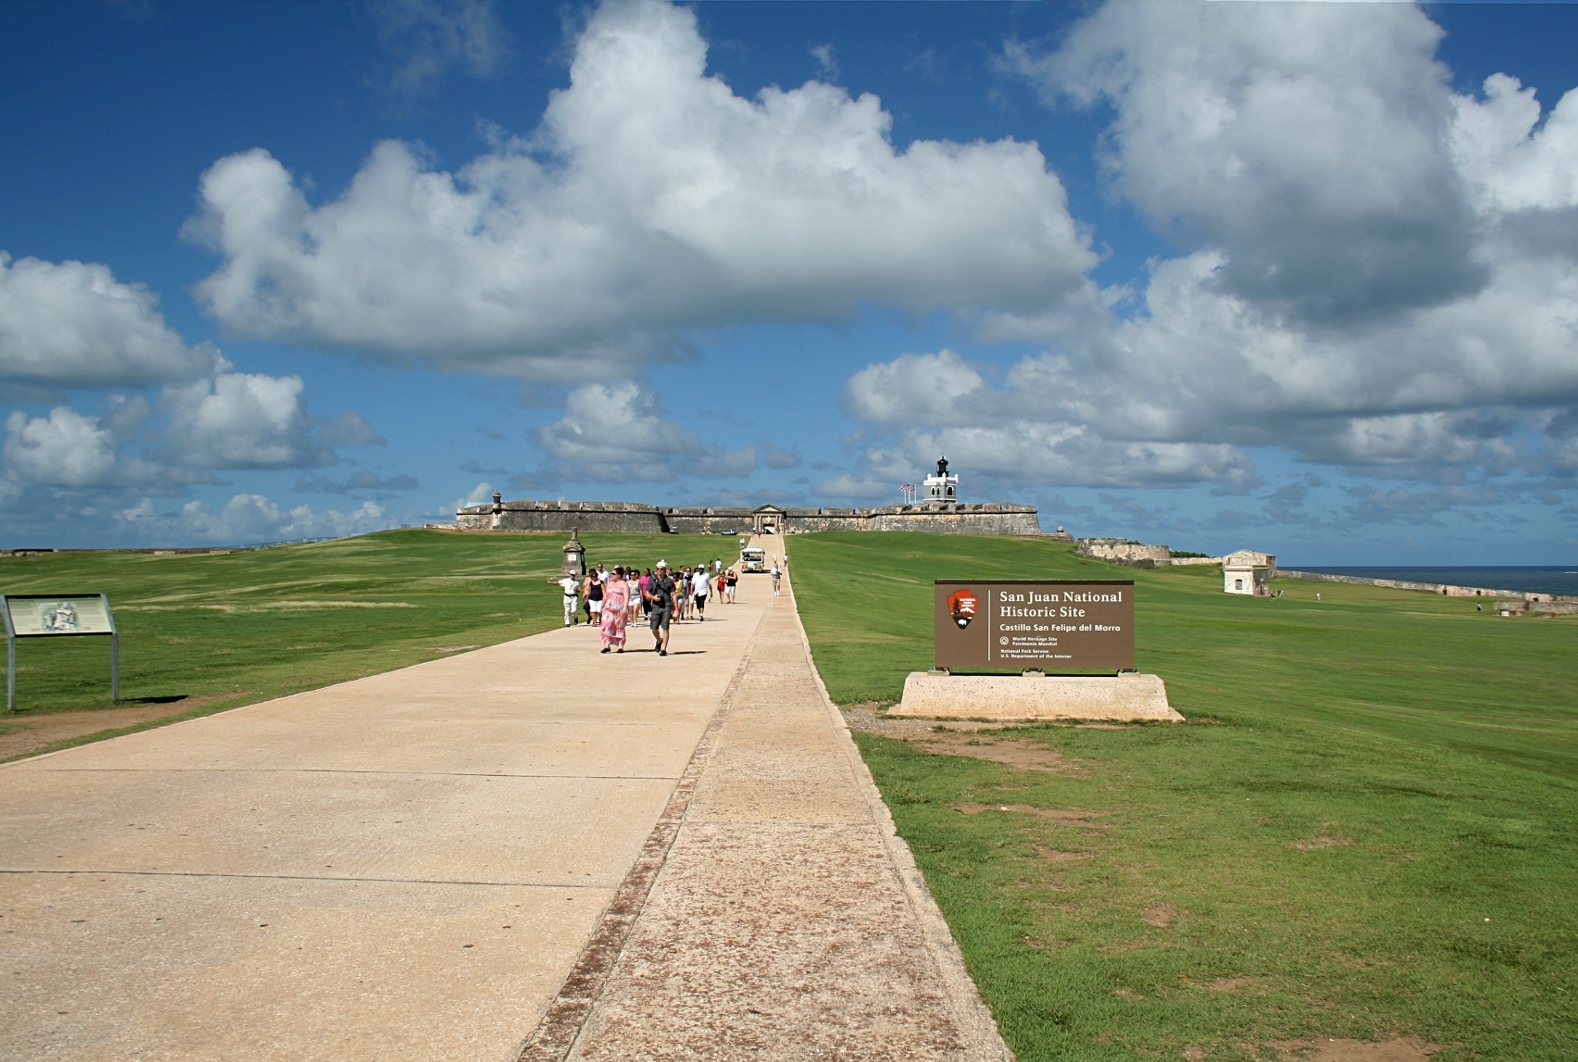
(941, 487)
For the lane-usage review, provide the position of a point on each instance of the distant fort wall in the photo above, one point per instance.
(958, 518)
(1141, 555)
(1124, 552)
(1444, 589)
(561, 516)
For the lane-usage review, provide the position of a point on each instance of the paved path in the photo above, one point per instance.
(599, 857)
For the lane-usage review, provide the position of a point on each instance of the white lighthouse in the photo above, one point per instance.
(941, 487)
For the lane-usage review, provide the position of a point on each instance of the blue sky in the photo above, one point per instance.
(1295, 277)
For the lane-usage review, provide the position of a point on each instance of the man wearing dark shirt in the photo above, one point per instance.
(660, 605)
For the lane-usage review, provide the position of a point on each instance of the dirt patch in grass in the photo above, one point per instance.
(961, 738)
(1321, 840)
(1230, 984)
(1052, 855)
(1071, 816)
(867, 717)
(1022, 754)
(1404, 1049)
(1161, 917)
(21, 734)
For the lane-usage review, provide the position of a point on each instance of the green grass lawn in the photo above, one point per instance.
(1367, 829)
(229, 629)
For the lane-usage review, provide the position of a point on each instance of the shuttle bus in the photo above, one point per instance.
(753, 559)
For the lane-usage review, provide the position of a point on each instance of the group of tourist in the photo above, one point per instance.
(611, 598)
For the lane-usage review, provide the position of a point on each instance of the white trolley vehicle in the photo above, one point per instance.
(753, 559)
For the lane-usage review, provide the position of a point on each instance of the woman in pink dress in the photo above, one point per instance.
(616, 603)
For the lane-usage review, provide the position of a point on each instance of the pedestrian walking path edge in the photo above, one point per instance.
(566, 1015)
(983, 1042)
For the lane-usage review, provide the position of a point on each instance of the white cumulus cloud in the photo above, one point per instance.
(1509, 163)
(651, 201)
(1022, 435)
(616, 433)
(249, 518)
(242, 420)
(1380, 273)
(1304, 140)
(72, 324)
(65, 448)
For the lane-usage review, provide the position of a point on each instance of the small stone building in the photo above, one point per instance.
(1248, 572)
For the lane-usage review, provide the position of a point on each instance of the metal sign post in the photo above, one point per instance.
(58, 616)
(10, 659)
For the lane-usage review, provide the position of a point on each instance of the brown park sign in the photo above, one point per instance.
(1054, 626)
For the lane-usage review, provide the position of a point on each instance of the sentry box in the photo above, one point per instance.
(57, 616)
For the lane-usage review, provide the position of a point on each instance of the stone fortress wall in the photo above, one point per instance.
(1561, 602)
(1125, 552)
(560, 516)
(961, 518)
(940, 513)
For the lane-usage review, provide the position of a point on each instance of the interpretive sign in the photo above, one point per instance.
(39, 616)
(1053, 626)
(53, 616)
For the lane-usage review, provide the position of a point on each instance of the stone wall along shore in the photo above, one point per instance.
(1444, 589)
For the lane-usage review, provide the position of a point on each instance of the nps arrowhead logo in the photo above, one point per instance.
(962, 605)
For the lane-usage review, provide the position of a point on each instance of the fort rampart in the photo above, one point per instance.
(1444, 589)
(1124, 552)
(959, 518)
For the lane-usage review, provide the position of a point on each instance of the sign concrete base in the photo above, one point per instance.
(1128, 698)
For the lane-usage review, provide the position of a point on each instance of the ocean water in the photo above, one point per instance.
(1558, 580)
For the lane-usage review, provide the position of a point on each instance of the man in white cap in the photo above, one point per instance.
(572, 596)
(660, 606)
(700, 583)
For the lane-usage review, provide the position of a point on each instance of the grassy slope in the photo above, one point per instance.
(241, 627)
(1442, 743)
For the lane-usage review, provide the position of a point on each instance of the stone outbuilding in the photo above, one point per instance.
(1248, 572)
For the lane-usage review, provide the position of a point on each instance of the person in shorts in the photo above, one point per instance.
(660, 606)
(777, 574)
(637, 602)
(700, 583)
(730, 579)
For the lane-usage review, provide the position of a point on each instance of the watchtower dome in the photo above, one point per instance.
(941, 487)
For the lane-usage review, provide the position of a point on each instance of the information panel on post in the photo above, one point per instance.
(55, 616)
(1054, 626)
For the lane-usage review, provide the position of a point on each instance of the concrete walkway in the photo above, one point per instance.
(531, 846)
